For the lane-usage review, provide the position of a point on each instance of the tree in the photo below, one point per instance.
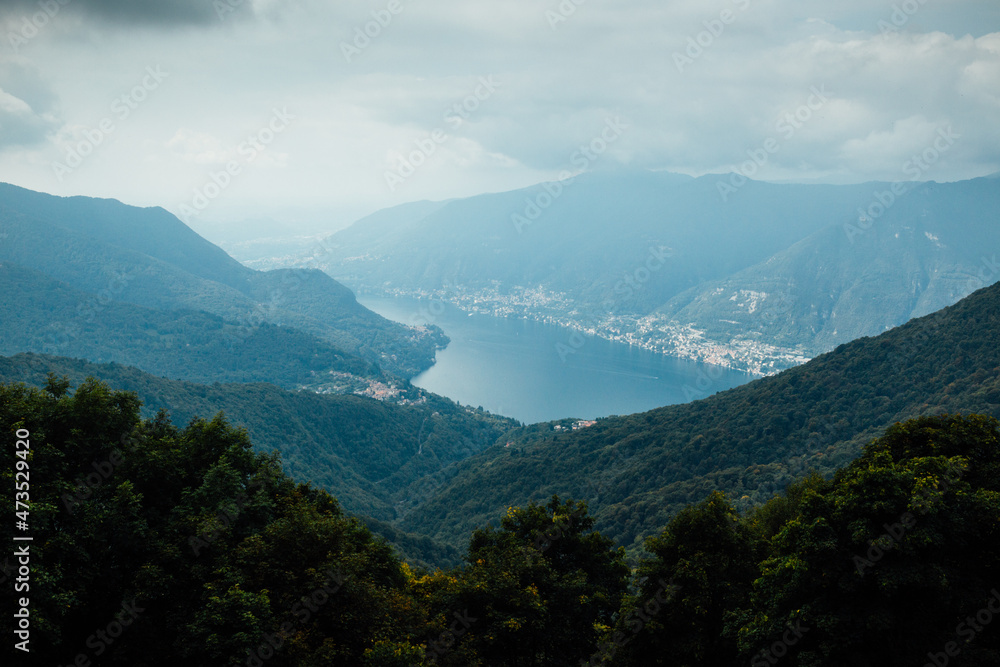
(702, 569)
(883, 566)
(540, 590)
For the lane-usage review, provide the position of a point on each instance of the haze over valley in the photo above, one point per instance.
(471, 334)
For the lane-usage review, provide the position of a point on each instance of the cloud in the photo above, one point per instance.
(558, 85)
(136, 12)
(27, 106)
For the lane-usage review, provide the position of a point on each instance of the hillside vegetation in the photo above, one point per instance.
(638, 471)
(154, 544)
(112, 253)
(379, 458)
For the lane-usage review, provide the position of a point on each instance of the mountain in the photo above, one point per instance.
(164, 542)
(148, 258)
(637, 471)
(932, 247)
(578, 239)
(759, 279)
(44, 314)
(379, 459)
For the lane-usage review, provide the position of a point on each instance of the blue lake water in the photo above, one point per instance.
(513, 367)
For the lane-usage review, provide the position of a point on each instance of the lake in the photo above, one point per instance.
(513, 367)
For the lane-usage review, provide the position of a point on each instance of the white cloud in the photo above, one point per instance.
(610, 58)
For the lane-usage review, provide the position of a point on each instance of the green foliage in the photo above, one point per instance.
(750, 442)
(537, 591)
(377, 458)
(885, 563)
(210, 544)
(882, 565)
(703, 567)
(207, 553)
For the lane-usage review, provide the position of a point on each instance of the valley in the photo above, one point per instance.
(758, 284)
(500, 334)
(239, 420)
(656, 332)
(536, 371)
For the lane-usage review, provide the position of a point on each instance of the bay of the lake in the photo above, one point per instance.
(513, 367)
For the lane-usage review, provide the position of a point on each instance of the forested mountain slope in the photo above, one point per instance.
(148, 257)
(638, 470)
(152, 543)
(380, 459)
(934, 245)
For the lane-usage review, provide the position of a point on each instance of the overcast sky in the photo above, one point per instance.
(151, 102)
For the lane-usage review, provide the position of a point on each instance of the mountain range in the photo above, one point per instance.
(749, 442)
(761, 279)
(166, 315)
(77, 270)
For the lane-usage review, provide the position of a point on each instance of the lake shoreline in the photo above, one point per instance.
(536, 371)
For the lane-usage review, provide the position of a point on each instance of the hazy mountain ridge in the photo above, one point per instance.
(149, 258)
(772, 276)
(594, 230)
(936, 245)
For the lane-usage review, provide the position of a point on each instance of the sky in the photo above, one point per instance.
(301, 115)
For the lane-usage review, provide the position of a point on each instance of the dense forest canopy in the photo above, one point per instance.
(154, 543)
